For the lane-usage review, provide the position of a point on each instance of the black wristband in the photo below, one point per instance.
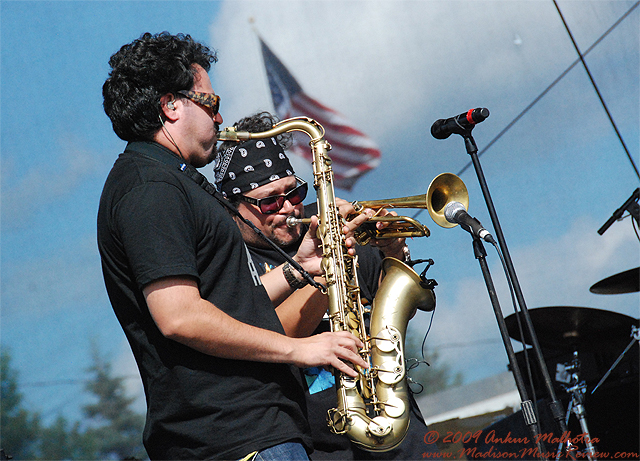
(293, 282)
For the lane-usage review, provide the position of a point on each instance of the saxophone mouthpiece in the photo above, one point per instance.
(292, 221)
(230, 134)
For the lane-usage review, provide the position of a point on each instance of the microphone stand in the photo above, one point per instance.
(631, 205)
(526, 404)
(555, 406)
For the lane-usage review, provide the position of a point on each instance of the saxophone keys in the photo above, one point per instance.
(379, 426)
(337, 421)
(390, 372)
(394, 407)
(387, 339)
(348, 383)
(352, 321)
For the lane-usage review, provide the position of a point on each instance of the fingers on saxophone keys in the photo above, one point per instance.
(350, 340)
(347, 368)
(348, 350)
(344, 368)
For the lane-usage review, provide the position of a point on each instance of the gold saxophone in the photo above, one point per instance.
(373, 409)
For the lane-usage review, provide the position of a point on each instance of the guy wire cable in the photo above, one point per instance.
(595, 87)
(546, 90)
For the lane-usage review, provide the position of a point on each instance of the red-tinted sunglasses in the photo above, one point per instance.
(274, 203)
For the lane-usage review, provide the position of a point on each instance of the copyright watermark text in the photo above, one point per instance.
(499, 446)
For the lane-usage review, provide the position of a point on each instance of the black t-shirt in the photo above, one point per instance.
(155, 222)
(320, 398)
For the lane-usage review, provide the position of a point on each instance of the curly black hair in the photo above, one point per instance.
(142, 72)
(257, 123)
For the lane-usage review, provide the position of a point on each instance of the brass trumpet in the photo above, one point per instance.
(444, 188)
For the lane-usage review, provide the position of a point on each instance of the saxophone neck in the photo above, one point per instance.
(304, 124)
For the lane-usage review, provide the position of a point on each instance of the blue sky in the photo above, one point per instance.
(392, 68)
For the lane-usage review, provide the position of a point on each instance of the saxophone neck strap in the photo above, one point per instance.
(203, 182)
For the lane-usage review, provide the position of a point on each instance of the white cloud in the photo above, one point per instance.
(27, 191)
(383, 62)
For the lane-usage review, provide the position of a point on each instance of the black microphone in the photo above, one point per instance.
(460, 124)
(456, 213)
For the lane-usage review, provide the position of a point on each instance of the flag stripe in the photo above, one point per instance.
(336, 122)
(353, 153)
(347, 154)
(355, 145)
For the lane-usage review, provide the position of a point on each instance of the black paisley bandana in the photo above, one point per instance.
(249, 165)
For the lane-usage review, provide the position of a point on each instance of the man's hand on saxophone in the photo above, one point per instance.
(328, 349)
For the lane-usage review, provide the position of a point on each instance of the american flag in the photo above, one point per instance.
(353, 153)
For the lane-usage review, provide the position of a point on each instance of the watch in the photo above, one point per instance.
(292, 280)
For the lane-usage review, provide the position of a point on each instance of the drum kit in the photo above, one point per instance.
(593, 349)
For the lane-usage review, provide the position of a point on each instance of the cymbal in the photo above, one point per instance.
(624, 282)
(567, 327)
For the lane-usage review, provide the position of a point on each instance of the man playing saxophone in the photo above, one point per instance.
(256, 176)
(220, 375)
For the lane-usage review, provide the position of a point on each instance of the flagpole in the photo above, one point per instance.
(265, 81)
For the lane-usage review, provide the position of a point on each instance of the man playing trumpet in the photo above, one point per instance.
(258, 179)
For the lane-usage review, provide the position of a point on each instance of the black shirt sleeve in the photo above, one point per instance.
(157, 246)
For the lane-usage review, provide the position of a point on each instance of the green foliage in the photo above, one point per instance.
(433, 376)
(112, 429)
(119, 429)
(19, 429)
(59, 441)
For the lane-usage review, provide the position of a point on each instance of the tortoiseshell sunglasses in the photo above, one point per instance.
(210, 100)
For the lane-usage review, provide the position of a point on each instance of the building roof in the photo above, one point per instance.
(476, 398)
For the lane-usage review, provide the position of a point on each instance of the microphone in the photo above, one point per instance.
(442, 129)
(456, 213)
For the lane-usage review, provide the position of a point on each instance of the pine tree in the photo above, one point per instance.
(114, 432)
(430, 378)
(59, 441)
(115, 427)
(19, 428)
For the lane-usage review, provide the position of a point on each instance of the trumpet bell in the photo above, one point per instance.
(445, 188)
